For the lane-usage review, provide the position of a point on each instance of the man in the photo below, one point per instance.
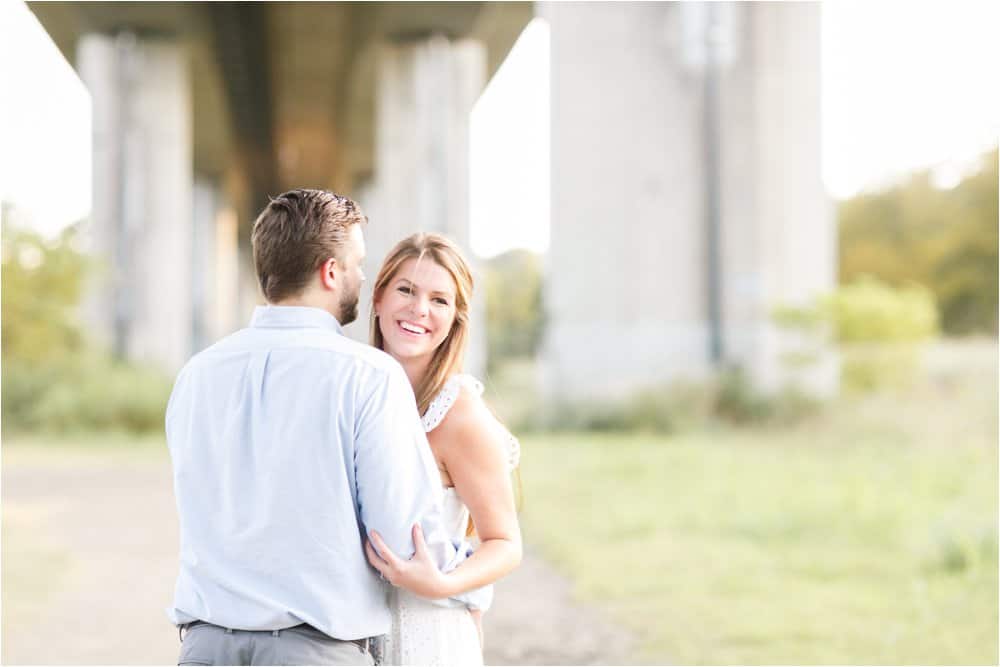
(289, 441)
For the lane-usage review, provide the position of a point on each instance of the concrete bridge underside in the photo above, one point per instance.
(201, 110)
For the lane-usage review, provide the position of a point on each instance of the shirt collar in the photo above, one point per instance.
(289, 317)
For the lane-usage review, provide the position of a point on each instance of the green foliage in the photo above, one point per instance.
(42, 284)
(878, 328)
(678, 407)
(943, 239)
(93, 392)
(736, 401)
(653, 410)
(959, 549)
(868, 311)
(54, 379)
(514, 316)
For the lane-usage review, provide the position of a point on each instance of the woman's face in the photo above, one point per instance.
(416, 309)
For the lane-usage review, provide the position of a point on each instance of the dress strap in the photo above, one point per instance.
(446, 398)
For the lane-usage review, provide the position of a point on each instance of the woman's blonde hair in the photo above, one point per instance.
(450, 355)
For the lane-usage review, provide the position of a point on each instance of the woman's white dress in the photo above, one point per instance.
(424, 633)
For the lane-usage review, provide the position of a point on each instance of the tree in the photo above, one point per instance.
(944, 239)
(42, 284)
(514, 317)
(53, 377)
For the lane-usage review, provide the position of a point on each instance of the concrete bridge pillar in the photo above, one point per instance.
(425, 91)
(216, 273)
(627, 284)
(779, 235)
(143, 194)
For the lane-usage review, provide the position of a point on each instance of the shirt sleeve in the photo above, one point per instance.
(398, 482)
(174, 403)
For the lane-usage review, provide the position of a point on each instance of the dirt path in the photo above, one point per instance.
(90, 559)
(535, 621)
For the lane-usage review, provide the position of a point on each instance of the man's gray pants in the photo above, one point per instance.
(207, 644)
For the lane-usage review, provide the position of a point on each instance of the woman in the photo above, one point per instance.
(420, 316)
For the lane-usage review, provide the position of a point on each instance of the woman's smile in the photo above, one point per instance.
(412, 329)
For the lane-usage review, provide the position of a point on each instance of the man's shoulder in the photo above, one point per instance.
(341, 347)
(366, 355)
(323, 347)
(220, 346)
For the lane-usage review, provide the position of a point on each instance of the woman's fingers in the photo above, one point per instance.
(384, 551)
(371, 555)
(374, 559)
(419, 545)
(384, 569)
(419, 574)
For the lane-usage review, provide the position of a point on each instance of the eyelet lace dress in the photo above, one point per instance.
(424, 633)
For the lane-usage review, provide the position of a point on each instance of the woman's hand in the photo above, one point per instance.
(419, 575)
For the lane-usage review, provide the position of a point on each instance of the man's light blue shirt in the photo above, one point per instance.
(289, 442)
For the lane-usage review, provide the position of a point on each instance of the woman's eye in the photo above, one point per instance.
(403, 290)
(441, 301)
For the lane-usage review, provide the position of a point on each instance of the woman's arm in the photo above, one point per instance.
(472, 445)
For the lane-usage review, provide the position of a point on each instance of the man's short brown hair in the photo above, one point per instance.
(295, 233)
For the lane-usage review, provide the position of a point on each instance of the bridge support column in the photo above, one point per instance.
(779, 243)
(627, 276)
(425, 91)
(143, 181)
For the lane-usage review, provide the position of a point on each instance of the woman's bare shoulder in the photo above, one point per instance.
(470, 422)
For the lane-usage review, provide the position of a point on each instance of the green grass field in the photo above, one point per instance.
(866, 536)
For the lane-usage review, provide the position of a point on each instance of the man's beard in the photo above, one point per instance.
(349, 307)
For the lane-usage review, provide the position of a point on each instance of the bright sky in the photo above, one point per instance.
(905, 85)
(510, 151)
(44, 124)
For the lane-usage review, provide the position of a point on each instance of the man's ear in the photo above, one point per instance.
(328, 273)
